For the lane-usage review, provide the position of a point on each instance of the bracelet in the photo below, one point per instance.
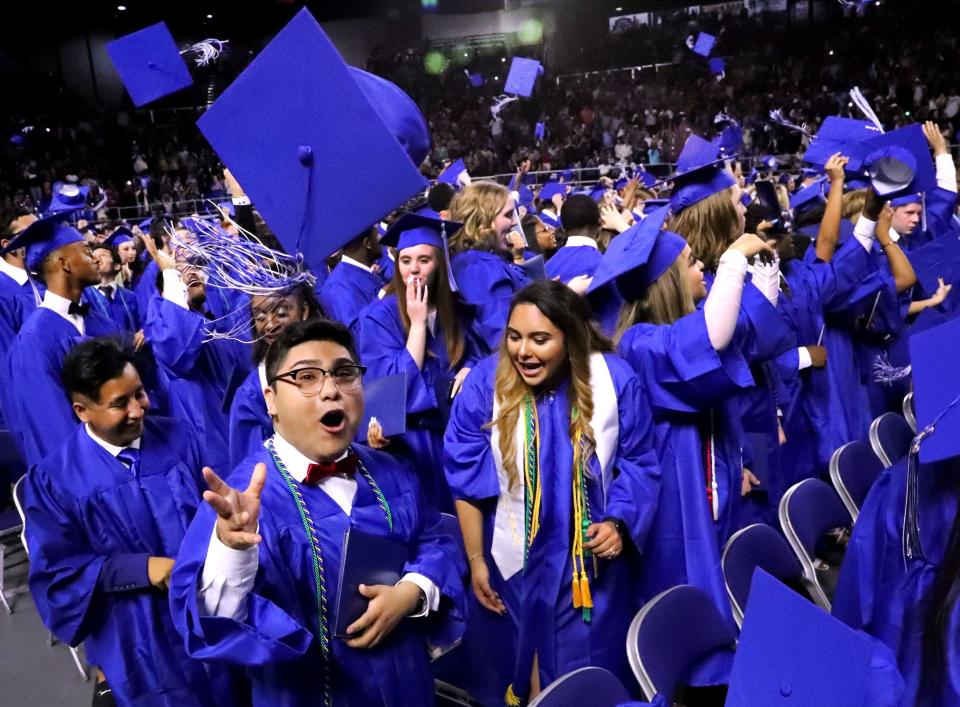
(473, 557)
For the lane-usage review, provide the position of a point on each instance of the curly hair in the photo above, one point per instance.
(476, 207)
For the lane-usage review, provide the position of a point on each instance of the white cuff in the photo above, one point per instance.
(723, 303)
(804, 356)
(228, 577)
(946, 173)
(174, 289)
(864, 231)
(429, 590)
(241, 200)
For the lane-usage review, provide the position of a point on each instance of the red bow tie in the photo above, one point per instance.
(324, 470)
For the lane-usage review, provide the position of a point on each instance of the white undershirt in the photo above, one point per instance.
(228, 574)
(18, 275)
(112, 449)
(574, 241)
(61, 305)
(722, 307)
(355, 263)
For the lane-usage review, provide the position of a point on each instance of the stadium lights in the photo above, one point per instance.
(121, 8)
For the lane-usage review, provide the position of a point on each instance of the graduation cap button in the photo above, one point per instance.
(785, 689)
(305, 155)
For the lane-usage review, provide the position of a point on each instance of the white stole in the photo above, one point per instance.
(508, 528)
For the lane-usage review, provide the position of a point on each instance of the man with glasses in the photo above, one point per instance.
(258, 578)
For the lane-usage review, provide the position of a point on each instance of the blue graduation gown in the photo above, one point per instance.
(278, 641)
(122, 307)
(692, 389)
(348, 291)
(570, 261)
(487, 282)
(91, 523)
(38, 411)
(882, 593)
(198, 371)
(383, 349)
(538, 598)
(145, 287)
(250, 423)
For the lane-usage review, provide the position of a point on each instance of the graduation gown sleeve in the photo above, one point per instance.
(467, 456)
(176, 335)
(250, 424)
(488, 284)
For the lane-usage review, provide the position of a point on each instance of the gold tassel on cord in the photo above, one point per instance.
(586, 599)
(510, 698)
(577, 596)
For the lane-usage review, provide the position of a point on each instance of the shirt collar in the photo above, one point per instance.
(293, 459)
(19, 275)
(61, 305)
(355, 263)
(573, 241)
(112, 449)
(262, 375)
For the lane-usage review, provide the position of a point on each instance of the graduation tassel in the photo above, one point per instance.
(885, 372)
(510, 698)
(577, 596)
(856, 95)
(206, 50)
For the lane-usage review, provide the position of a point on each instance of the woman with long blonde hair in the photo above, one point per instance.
(481, 263)
(549, 455)
(692, 370)
(419, 329)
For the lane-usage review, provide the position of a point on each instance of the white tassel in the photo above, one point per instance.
(207, 50)
(856, 95)
(777, 117)
(886, 373)
(499, 105)
(722, 117)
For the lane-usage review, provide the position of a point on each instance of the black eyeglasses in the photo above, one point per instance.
(310, 379)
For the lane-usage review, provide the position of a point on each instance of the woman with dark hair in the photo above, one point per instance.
(692, 368)
(549, 455)
(420, 330)
(250, 423)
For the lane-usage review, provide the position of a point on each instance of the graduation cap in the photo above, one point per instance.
(809, 196)
(119, 237)
(476, 79)
(704, 44)
(43, 237)
(149, 64)
(289, 126)
(385, 399)
(539, 130)
(729, 141)
(399, 112)
(451, 173)
(793, 653)
(638, 256)
(534, 268)
(700, 174)
(423, 227)
(718, 67)
(145, 224)
(936, 390)
(552, 189)
(550, 221)
(67, 197)
(523, 75)
(596, 193)
(899, 162)
(846, 136)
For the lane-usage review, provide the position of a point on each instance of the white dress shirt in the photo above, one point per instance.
(355, 263)
(18, 275)
(61, 305)
(574, 241)
(112, 449)
(228, 574)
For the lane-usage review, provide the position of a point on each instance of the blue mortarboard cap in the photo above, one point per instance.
(597, 192)
(651, 205)
(451, 174)
(697, 154)
(912, 198)
(526, 197)
(423, 227)
(620, 183)
(729, 141)
(894, 156)
(646, 179)
(552, 189)
(638, 256)
(539, 130)
(287, 128)
(852, 184)
(717, 65)
(145, 224)
(844, 135)
(809, 172)
(385, 399)
(523, 75)
(699, 174)
(42, 237)
(67, 197)
(534, 268)
(936, 387)
(792, 652)
(809, 196)
(120, 236)
(476, 80)
(149, 64)
(399, 113)
(704, 44)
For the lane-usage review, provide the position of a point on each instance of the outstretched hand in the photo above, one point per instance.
(237, 511)
(936, 140)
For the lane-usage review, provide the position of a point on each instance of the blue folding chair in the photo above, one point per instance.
(12, 468)
(853, 469)
(908, 412)
(18, 500)
(890, 437)
(587, 686)
(671, 635)
(757, 545)
(809, 511)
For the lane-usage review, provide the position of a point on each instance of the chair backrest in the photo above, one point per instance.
(808, 511)
(757, 545)
(908, 412)
(19, 502)
(587, 686)
(890, 437)
(853, 469)
(671, 634)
